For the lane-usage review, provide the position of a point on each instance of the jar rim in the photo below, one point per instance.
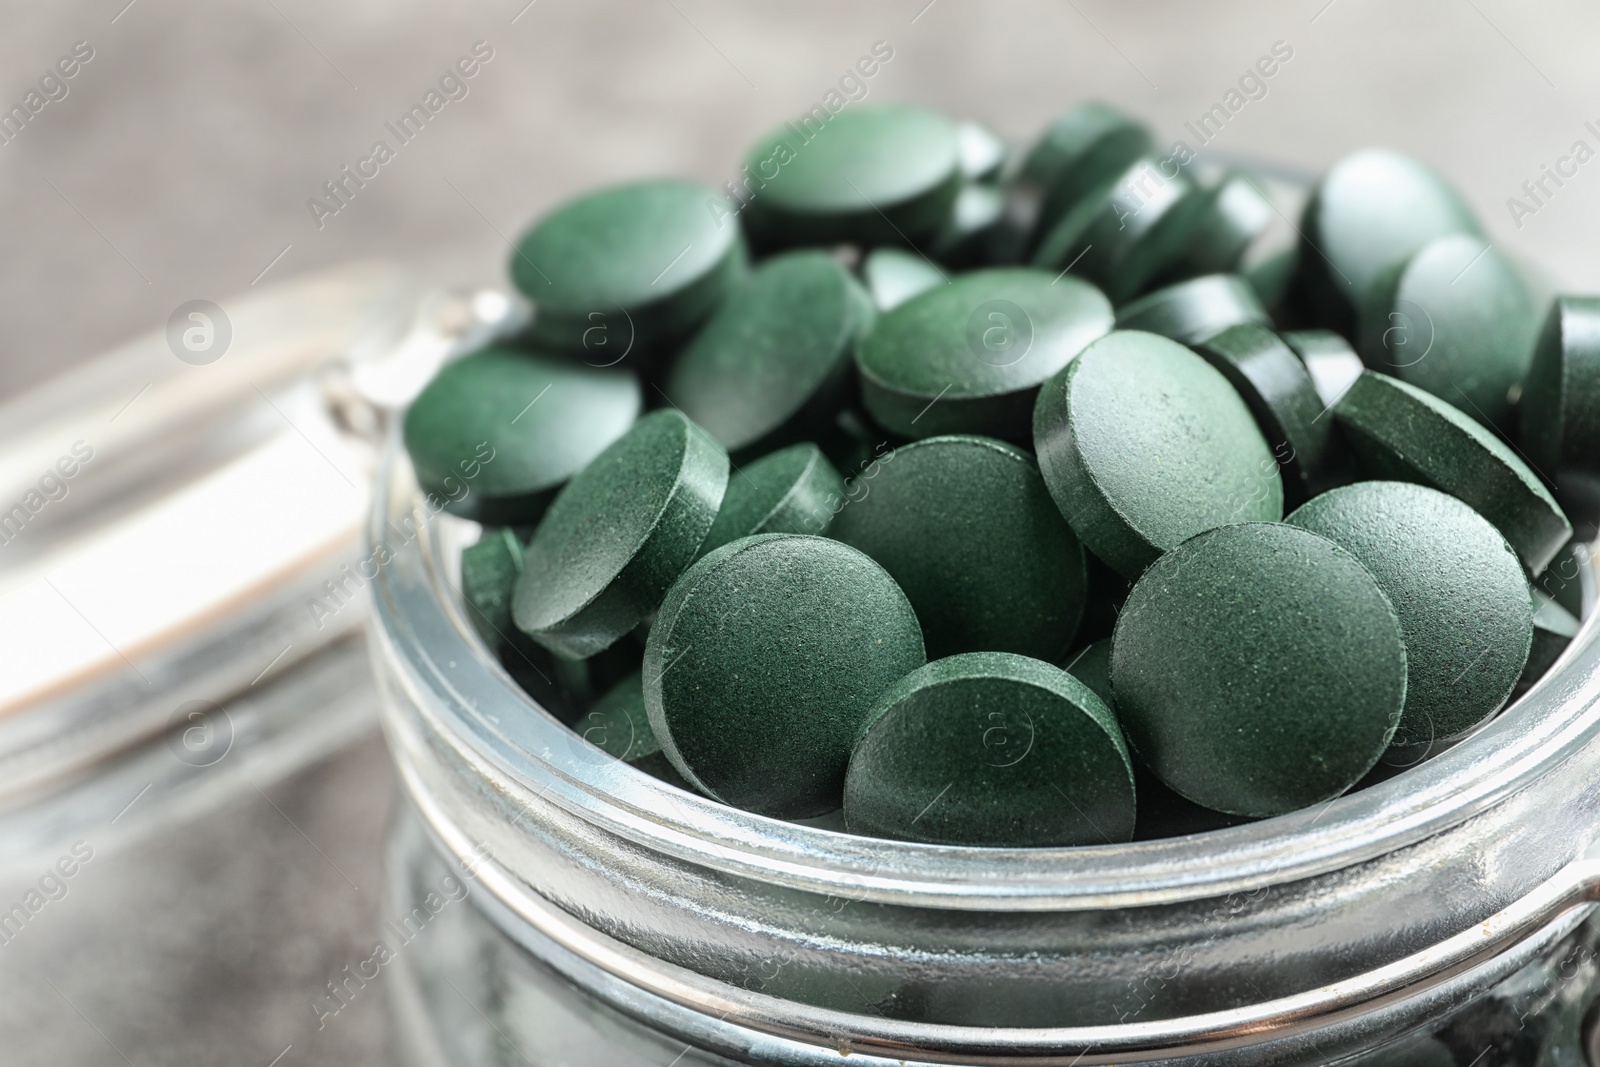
(520, 748)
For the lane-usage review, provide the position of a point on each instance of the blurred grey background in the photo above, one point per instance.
(179, 163)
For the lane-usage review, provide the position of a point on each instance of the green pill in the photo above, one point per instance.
(1271, 261)
(1457, 588)
(867, 175)
(628, 267)
(1562, 580)
(1456, 320)
(1554, 627)
(973, 232)
(1281, 395)
(619, 726)
(496, 433)
(1143, 445)
(967, 528)
(763, 664)
(969, 357)
(489, 572)
(1329, 359)
(1258, 669)
(774, 361)
(989, 748)
(981, 151)
(794, 490)
(1232, 214)
(1082, 150)
(1373, 209)
(1193, 310)
(1400, 433)
(893, 276)
(1561, 405)
(1128, 233)
(619, 535)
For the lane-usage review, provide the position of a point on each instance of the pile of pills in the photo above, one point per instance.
(929, 491)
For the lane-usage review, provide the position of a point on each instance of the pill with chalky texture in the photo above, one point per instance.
(1454, 319)
(967, 528)
(1081, 151)
(1561, 405)
(1232, 214)
(489, 572)
(1401, 433)
(628, 267)
(1554, 627)
(774, 361)
(1281, 395)
(619, 535)
(981, 151)
(1126, 234)
(764, 662)
(496, 433)
(793, 490)
(869, 175)
(894, 276)
(1143, 445)
(1195, 309)
(1258, 668)
(969, 357)
(1372, 209)
(618, 725)
(989, 748)
(1331, 362)
(1457, 588)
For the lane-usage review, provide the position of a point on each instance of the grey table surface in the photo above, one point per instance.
(180, 163)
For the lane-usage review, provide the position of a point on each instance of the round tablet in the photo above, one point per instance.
(1081, 151)
(1455, 584)
(762, 666)
(967, 528)
(489, 571)
(1561, 404)
(619, 535)
(1456, 320)
(794, 490)
(1125, 235)
(1401, 433)
(868, 175)
(1258, 669)
(628, 267)
(523, 423)
(1143, 445)
(893, 276)
(968, 238)
(1196, 309)
(1232, 214)
(775, 358)
(989, 748)
(1372, 209)
(1329, 359)
(619, 725)
(969, 357)
(1281, 395)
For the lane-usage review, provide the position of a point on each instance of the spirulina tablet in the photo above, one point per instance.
(1082, 150)
(1457, 587)
(489, 572)
(968, 238)
(1283, 398)
(1456, 320)
(994, 749)
(1401, 433)
(793, 490)
(1258, 669)
(894, 276)
(867, 175)
(967, 528)
(1329, 359)
(1561, 405)
(1193, 310)
(764, 662)
(496, 433)
(619, 535)
(627, 267)
(1232, 214)
(618, 725)
(969, 357)
(1143, 445)
(775, 358)
(1374, 208)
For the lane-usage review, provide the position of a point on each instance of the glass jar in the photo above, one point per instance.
(1435, 917)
